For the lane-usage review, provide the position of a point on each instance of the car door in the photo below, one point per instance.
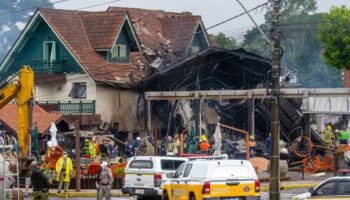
(184, 182)
(325, 191)
(176, 188)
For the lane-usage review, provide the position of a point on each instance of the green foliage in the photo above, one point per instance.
(120, 171)
(12, 13)
(224, 42)
(302, 49)
(334, 35)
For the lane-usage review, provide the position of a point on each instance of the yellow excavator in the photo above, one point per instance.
(21, 90)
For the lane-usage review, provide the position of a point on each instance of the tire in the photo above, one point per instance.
(165, 196)
(192, 196)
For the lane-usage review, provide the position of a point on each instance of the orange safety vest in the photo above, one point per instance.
(204, 146)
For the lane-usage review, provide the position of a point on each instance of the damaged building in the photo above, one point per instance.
(219, 70)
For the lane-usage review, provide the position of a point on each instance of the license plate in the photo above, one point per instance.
(234, 198)
(139, 191)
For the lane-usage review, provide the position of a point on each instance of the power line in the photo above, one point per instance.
(232, 18)
(96, 5)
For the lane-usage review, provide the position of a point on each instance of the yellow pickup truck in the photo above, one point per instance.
(212, 180)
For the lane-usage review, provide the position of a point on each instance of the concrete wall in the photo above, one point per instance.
(59, 91)
(119, 105)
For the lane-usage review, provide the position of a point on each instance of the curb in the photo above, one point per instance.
(292, 186)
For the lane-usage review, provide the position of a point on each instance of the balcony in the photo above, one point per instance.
(69, 107)
(40, 67)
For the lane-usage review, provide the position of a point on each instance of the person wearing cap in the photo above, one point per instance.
(64, 169)
(104, 182)
(41, 182)
(204, 145)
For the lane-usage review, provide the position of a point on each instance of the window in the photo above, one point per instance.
(78, 91)
(325, 189)
(343, 188)
(49, 51)
(119, 51)
(170, 164)
(187, 170)
(178, 173)
(141, 164)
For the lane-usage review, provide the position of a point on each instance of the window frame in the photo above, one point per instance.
(179, 171)
(72, 92)
(120, 57)
(47, 53)
(187, 170)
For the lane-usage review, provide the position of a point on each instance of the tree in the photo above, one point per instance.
(13, 16)
(223, 41)
(335, 37)
(302, 49)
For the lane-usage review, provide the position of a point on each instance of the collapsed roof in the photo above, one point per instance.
(219, 69)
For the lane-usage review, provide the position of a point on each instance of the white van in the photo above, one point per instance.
(144, 175)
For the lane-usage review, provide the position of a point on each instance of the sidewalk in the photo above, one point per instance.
(286, 185)
(82, 193)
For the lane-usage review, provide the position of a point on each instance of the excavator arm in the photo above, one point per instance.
(22, 91)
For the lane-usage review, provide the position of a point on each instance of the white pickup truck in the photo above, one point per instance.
(144, 174)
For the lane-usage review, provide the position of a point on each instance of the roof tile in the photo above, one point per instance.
(43, 119)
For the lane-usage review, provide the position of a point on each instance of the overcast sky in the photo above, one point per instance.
(212, 11)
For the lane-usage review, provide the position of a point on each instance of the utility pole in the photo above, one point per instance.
(274, 190)
(77, 157)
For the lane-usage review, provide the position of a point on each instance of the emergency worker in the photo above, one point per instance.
(104, 182)
(252, 145)
(171, 147)
(343, 136)
(135, 144)
(204, 145)
(64, 169)
(104, 150)
(41, 182)
(128, 149)
(328, 135)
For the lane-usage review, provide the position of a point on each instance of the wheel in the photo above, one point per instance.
(165, 196)
(192, 197)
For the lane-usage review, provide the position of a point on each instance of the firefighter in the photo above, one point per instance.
(328, 135)
(204, 145)
(64, 169)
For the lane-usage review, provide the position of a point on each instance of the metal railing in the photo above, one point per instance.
(40, 67)
(70, 107)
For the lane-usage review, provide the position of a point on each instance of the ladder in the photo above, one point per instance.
(7, 174)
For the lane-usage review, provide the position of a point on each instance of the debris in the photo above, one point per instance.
(260, 163)
(319, 174)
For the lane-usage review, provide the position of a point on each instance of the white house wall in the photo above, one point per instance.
(118, 105)
(60, 91)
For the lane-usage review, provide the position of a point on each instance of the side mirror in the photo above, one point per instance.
(312, 191)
